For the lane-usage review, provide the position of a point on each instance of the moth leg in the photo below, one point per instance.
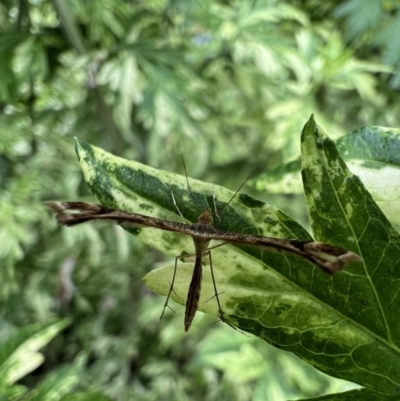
(171, 288)
(221, 314)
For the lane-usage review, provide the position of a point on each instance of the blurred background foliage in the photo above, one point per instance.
(228, 85)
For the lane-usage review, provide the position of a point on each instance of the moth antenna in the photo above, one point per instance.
(176, 206)
(188, 185)
(236, 192)
(215, 204)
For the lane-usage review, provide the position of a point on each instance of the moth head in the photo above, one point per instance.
(206, 217)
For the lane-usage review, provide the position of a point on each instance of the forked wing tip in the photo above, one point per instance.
(350, 257)
(57, 206)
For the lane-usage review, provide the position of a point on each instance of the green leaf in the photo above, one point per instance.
(59, 383)
(285, 179)
(361, 16)
(11, 393)
(278, 297)
(19, 355)
(365, 339)
(355, 395)
(372, 153)
(9, 40)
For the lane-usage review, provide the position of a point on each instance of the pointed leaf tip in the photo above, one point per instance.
(308, 128)
(311, 121)
(82, 147)
(77, 145)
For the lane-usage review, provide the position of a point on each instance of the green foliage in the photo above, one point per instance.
(19, 355)
(372, 25)
(371, 153)
(226, 85)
